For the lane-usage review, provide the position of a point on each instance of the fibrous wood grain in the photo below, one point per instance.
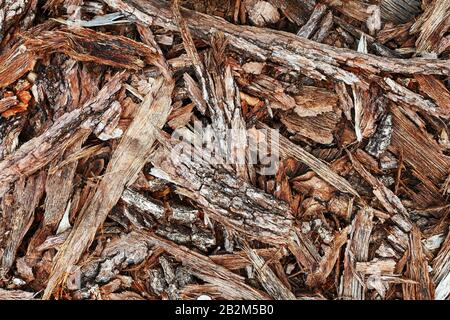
(227, 282)
(352, 282)
(417, 269)
(235, 149)
(441, 271)
(39, 151)
(227, 199)
(315, 60)
(18, 214)
(128, 159)
(268, 278)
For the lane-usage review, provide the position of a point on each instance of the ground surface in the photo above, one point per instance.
(237, 149)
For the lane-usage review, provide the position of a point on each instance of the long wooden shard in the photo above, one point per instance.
(351, 286)
(127, 160)
(320, 274)
(224, 149)
(18, 214)
(79, 43)
(226, 198)
(268, 278)
(38, 152)
(441, 271)
(88, 45)
(229, 283)
(313, 59)
(289, 149)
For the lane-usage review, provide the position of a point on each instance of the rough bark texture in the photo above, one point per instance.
(224, 149)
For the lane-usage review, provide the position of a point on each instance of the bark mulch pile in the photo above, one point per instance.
(229, 149)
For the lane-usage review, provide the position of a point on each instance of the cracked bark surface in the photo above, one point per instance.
(225, 149)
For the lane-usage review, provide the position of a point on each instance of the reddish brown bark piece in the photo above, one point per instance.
(39, 151)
